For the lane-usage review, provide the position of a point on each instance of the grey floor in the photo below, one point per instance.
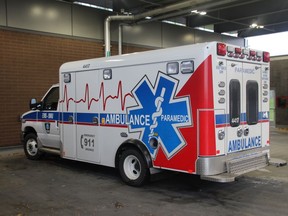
(54, 186)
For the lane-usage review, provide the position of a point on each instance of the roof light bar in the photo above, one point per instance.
(242, 53)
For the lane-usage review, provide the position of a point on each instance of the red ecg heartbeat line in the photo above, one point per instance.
(86, 98)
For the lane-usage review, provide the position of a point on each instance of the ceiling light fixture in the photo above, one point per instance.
(255, 25)
(92, 6)
(199, 12)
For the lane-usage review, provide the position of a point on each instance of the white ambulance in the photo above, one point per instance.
(200, 109)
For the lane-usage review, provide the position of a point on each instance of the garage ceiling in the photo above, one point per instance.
(222, 16)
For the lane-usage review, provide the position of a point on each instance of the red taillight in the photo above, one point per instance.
(221, 49)
(266, 57)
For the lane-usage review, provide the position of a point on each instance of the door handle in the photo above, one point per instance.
(95, 120)
(70, 119)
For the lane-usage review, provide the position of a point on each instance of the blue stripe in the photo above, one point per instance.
(32, 116)
(225, 118)
(88, 117)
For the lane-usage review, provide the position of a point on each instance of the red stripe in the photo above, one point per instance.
(114, 125)
(34, 120)
(91, 124)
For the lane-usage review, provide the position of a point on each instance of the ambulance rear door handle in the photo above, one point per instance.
(239, 131)
(246, 131)
(233, 65)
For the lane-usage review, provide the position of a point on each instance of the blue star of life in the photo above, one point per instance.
(159, 114)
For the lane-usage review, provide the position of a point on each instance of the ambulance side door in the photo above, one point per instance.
(89, 94)
(68, 115)
(49, 134)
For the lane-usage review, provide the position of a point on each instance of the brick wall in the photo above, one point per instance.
(29, 65)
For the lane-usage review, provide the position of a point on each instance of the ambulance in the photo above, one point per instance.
(200, 109)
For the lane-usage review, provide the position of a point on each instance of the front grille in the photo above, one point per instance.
(246, 164)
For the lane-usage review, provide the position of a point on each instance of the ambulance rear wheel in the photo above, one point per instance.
(31, 147)
(133, 168)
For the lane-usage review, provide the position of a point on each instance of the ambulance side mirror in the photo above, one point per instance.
(34, 105)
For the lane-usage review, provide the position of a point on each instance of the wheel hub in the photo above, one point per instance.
(132, 167)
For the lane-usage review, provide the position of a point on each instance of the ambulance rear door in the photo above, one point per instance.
(243, 106)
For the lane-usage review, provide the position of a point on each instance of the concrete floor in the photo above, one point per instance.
(55, 186)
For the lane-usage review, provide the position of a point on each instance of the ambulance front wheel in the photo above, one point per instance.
(133, 168)
(31, 147)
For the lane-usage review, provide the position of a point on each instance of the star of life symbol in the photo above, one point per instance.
(159, 114)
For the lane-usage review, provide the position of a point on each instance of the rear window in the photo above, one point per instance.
(252, 107)
(234, 99)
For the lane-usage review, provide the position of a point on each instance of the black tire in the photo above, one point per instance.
(31, 147)
(133, 168)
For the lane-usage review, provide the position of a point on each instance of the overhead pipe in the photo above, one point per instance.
(120, 39)
(165, 9)
(107, 30)
(158, 11)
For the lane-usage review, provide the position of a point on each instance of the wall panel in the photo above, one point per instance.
(40, 15)
(148, 34)
(88, 22)
(176, 35)
(203, 36)
(2, 13)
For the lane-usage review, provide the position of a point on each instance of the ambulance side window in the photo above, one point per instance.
(252, 107)
(50, 102)
(107, 74)
(234, 99)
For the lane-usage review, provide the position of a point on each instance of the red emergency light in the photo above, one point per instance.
(252, 53)
(238, 50)
(266, 57)
(221, 49)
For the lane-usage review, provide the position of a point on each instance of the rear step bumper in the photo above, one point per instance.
(239, 166)
(230, 177)
(221, 178)
(226, 168)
